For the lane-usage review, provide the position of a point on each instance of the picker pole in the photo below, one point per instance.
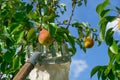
(27, 67)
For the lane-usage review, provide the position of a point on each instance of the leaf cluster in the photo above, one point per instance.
(111, 70)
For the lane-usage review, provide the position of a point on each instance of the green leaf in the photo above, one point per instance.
(94, 71)
(109, 37)
(111, 56)
(101, 71)
(9, 41)
(70, 39)
(106, 72)
(29, 8)
(31, 33)
(19, 36)
(102, 31)
(117, 67)
(99, 74)
(110, 18)
(1, 59)
(72, 51)
(52, 29)
(85, 1)
(102, 6)
(94, 29)
(77, 24)
(65, 21)
(118, 9)
(59, 37)
(103, 76)
(33, 15)
(111, 61)
(60, 34)
(111, 75)
(3, 5)
(19, 16)
(80, 33)
(84, 49)
(8, 56)
(103, 23)
(114, 48)
(105, 12)
(118, 58)
(5, 31)
(49, 18)
(3, 67)
(14, 27)
(62, 30)
(46, 10)
(79, 3)
(16, 63)
(63, 7)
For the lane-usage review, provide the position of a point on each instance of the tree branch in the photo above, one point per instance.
(39, 7)
(73, 8)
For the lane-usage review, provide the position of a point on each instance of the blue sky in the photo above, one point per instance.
(82, 63)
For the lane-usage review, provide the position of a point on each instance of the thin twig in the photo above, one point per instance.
(61, 23)
(39, 8)
(40, 26)
(73, 8)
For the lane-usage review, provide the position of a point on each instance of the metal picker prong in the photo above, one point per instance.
(27, 67)
(34, 58)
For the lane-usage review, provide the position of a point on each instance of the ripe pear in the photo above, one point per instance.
(44, 37)
(88, 42)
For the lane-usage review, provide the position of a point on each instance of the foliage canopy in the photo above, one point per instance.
(20, 23)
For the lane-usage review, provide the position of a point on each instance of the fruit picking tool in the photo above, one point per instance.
(27, 67)
(45, 55)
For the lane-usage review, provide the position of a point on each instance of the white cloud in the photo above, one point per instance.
(77, 67)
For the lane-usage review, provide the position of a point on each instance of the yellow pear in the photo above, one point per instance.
(88, 42)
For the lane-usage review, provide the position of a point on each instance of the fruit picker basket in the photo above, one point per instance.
(54, 54)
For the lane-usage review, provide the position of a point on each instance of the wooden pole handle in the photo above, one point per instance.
(24, 71)
(27, 67)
